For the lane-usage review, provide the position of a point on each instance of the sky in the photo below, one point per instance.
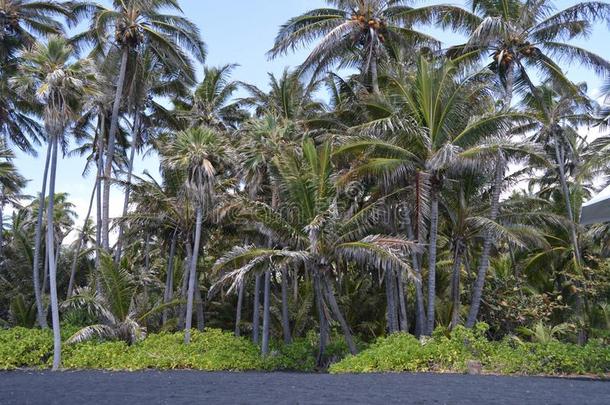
(242, 31)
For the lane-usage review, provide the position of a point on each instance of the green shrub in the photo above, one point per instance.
(22, 347)
(451, 352)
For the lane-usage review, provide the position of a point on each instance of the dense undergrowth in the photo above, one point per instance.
(215, 350)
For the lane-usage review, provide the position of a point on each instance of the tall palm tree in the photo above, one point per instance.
(49, 73)
(125, 28)
(420, 130)
(356, 33)
(200, 153)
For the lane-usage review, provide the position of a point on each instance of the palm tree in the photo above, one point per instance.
(210, 104)
(527, 34)
(356, 33)
(429, 118)
(200, 153)
(126, 27)
(47, 72)
(315, 230)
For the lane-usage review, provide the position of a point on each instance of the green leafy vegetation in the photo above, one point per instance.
(396, 203)
(452, 352)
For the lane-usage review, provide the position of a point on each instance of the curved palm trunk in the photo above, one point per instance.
(266, 315)
(256, 309)
(184, 287)
(114, 124)
(199, 309)
(193, 277)
(334, 307)
(240, 301)
(432, 261)
(98, 205)
(484, 263)
(373, 66)
(41, 316)
(1, 225)
(52, 263)
(455, 286)
(80, 245)
(169, 277)
(285, 314)
(132, 154)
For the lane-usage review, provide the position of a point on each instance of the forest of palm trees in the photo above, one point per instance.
(387, 184)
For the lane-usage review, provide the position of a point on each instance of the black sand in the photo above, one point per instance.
(177, 387)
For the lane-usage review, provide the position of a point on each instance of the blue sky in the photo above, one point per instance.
(242, 31)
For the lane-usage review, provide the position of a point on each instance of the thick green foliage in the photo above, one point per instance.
(22, 347)
(451, 353)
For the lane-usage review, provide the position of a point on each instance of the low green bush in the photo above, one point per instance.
(450, 352)
(22, 347)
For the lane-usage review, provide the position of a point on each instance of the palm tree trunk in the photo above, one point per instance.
(240, 301)
(402, 301)
(80, 245)
(334, 307)
(455, 286)
(184, 287)
(1, 225)
(132, 154)
(432, 261)
(169, 277)
(52, 263)
(373, 67)
(193, 276)
(199, 308)
(484, 262)
(285, 315)
(98, 203)
(324, 328)
(266, 314)
(390, 303)
(255, 310)
(420, 312)
(41, 316)
(114, 124)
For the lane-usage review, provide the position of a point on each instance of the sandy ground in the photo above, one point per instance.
(177, 387)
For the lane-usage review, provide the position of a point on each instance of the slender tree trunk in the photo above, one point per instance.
(98, 203)
(132, 154)
(266, 315)
(432, 261)
(185, 278)
(256, 309)
(455, 286)
(52, 263)
(1, 225)
(484, 262)
(324, 327)
(420, 312)
(41, 315)
(45, 274)
(114, 124)
(169, 277)
(390, 303)
(199, 308)
(285, 314)
(402, 301)
(508, 89)
(240, 301)
(193, 276)
(373, 67)
(334, 307)
(80, 244)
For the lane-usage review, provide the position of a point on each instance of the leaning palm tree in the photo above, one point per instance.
(49, 73)
(199, 153)
(125, 28)
(356, 33)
